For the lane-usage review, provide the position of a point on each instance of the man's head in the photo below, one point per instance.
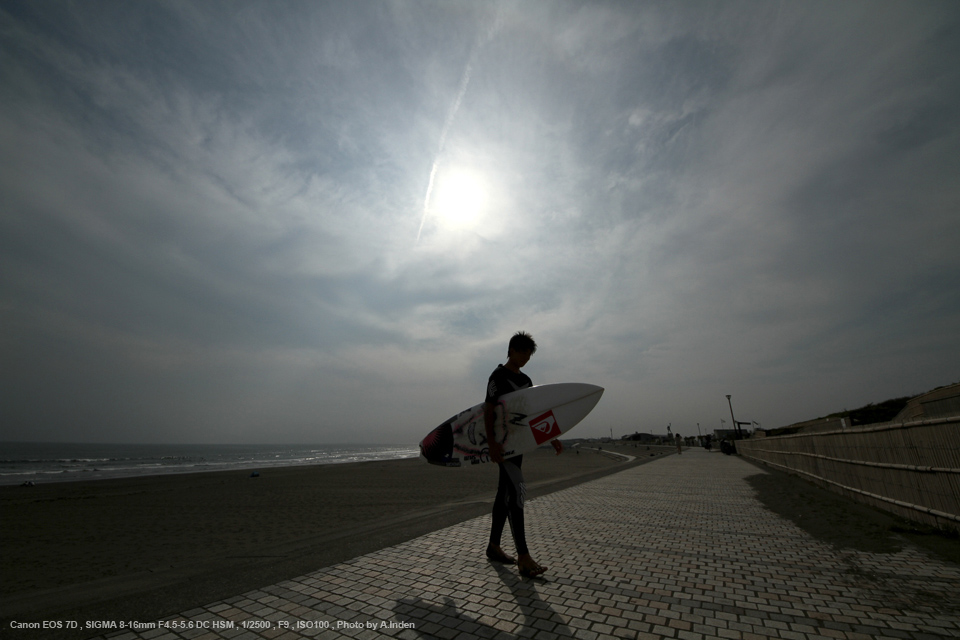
(520, 349)
(522, 342)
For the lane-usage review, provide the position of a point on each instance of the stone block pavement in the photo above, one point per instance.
(676, 548)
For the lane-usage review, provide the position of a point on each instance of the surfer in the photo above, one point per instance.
(508, 505)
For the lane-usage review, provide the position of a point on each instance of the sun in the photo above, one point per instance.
(460, 199)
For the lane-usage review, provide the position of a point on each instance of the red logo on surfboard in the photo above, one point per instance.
(544, 427)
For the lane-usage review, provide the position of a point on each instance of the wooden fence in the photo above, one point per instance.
(911, 469)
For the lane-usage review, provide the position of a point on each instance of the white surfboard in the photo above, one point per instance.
(525, 419)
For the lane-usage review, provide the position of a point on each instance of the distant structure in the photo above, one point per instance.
(942, 402)
(939, 403)
(819, 424)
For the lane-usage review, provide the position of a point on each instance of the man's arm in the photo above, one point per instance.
(489, 416)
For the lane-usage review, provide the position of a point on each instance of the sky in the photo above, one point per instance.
(309, 222)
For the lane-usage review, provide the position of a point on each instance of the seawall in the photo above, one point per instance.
(910, 469)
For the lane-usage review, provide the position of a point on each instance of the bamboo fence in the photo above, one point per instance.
(910, 469)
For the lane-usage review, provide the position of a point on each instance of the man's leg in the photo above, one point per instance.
(516, 493)
(500, 508)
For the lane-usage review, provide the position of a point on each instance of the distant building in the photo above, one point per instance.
(729, 434)
(646, 438)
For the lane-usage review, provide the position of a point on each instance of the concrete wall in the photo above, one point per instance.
(912, 469)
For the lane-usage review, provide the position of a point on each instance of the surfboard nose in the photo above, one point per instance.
(437, 446)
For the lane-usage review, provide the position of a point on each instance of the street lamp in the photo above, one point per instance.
(732, 419)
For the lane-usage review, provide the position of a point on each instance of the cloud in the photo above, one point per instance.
(211, 217)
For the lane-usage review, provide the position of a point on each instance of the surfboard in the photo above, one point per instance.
(525, 419)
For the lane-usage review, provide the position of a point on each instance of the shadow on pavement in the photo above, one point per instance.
(535, 614)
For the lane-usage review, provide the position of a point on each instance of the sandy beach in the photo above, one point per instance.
(148, 546)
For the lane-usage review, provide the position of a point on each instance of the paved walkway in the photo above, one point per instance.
(677, 548)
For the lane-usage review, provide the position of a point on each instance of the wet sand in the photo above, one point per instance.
(144, 547)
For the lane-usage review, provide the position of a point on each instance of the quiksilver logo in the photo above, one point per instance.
(544, 427)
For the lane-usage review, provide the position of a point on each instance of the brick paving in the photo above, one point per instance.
(677, 548)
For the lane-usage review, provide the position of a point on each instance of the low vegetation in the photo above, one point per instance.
(873, 413)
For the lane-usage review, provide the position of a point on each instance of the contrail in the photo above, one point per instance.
(464, 82)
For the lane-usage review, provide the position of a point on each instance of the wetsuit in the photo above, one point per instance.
(511, 490)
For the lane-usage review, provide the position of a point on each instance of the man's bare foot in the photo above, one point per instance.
(496, 554)
(529, 567)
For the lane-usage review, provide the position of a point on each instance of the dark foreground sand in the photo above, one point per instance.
(142, 549)
(147, 547)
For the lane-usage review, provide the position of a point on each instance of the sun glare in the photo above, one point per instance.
(459, 199)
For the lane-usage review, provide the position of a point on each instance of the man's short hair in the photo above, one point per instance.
(522, 341)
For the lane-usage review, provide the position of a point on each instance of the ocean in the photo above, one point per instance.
(25, 462)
